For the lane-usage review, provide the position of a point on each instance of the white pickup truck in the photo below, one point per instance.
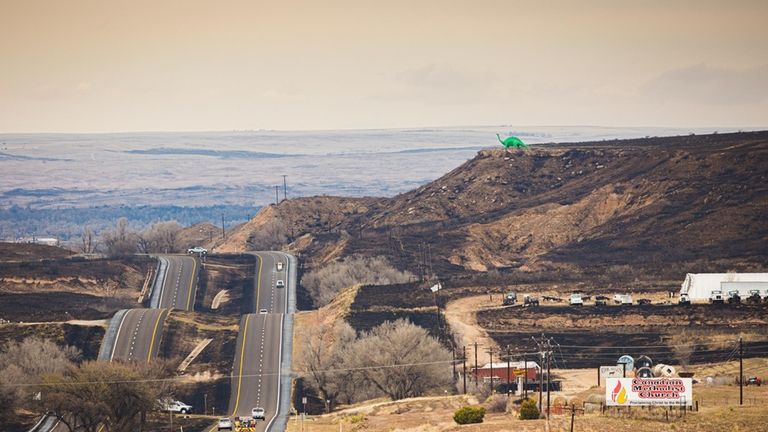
(175, 406)
(716, 296)
(576, 300)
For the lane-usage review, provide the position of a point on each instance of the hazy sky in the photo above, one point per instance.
(91, 66)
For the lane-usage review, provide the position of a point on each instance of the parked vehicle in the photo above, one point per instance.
(754, 381)
(734, 297)
(576, 300)
(601, 300)
(510, 298)
(643, 302)
(716, 296)
(530, 301)
(685, 299)
(225, 424)
(754, 296)
(622, 299)
(175, 406)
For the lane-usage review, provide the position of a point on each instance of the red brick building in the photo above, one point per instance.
(516, 369)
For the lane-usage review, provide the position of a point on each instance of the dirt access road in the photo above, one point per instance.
(462, 318)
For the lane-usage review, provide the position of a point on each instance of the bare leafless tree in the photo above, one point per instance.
(87, 243)
(324, 283)
(273, 235)
(121, 241)
(164, 236)
(116, 394)
(325, 345)
(24, 363)
(402, 360)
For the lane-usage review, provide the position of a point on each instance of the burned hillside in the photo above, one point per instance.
(655, 203)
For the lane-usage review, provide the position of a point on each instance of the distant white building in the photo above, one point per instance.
(698, 286)
(48, 241)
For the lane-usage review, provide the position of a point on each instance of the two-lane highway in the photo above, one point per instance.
(179, 283)
(256, 370)
(138, 335)
(138, 331)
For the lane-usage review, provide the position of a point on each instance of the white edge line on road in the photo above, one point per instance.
(280, 355)
(165, 278)
(279, 376)
(193, 285)
(117, 335)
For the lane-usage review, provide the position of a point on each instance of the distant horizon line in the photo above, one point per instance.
(200, 131)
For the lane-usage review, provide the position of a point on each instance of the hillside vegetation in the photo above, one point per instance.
(669, 204)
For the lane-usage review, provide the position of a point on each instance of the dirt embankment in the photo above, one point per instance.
(70, 288)
(590, 336)
(15, 252)
(233, 273)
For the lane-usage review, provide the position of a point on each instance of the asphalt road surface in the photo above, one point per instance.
(138, 337)
(255, 377)
(139, 331)
(179, 287)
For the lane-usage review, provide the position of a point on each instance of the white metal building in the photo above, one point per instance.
(698, 286)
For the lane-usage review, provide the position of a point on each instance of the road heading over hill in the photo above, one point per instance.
(137, 332)
(256, 372)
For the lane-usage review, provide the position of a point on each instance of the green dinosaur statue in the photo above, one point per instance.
(512, 142)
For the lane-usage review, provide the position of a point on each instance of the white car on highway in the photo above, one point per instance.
(280, 283)
(197, 250)
(225, 424)
(258, 413)
(263, 312)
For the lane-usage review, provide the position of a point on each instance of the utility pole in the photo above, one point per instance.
(549, 358)
(453, 362)
(541, 380)
(741, 371)
(508, 386)
(277, 196)
(464, 361)
(525, 380)
(475, 364)
(490, 356)
(223, 233)
(285, 187)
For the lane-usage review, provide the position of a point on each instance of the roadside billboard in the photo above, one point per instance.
(611, 372)
(648, 391)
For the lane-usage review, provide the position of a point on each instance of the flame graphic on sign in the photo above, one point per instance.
(619, 394)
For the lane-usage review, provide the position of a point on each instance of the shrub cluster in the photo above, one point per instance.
(468, 415)
(529, 410)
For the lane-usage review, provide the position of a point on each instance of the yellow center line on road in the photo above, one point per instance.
(154, 332)
(245, 333)
(191, 281)
(240, 373)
